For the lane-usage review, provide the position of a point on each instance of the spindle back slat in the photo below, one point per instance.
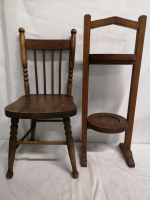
(52, 71)
(44, 71)
(52, 45)
(60, 58)
(36, 73)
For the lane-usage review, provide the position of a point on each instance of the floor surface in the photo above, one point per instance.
(44, 173)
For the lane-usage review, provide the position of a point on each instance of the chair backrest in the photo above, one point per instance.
(43, 45)
(131, 59)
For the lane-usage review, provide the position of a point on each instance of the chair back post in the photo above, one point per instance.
(71, 61)
(135, 78)
(24, 61)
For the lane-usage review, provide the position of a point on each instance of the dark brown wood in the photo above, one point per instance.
(107, 123)
(70, 145)
(36, 73)
(115, 20)
(52, 72)
(59, 120)
(43, 107)
(44, 72)
(12, 147)
(135, 79)
(60, 58)
(24, 61)
(71, 61)
(33, 127)
(28, 132)
(128, 155)
(125, 59)
(47, 44)
(42, 142)
(86, 50)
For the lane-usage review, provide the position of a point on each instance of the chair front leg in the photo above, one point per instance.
(12, 147)
(70, 145)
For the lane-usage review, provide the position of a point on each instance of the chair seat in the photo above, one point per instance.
(107, 123)
(42, 107)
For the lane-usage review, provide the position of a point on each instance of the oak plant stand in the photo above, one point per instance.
(107, 122)
(43, 107)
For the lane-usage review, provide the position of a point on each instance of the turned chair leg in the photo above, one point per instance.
(70, 145)
(12, 147)
(33, 126)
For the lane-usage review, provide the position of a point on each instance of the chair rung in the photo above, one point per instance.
(125, 59)
(55, 120)
(27, 133)
(42, 142)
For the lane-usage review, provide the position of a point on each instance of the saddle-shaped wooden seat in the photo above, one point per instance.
(42, 107)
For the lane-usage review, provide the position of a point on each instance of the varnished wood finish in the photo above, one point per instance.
(42, 142)
(71, 62)
(70, 145)
(128, 155)
(125, 59)
(33, 127)
(47, 44)
(44, 72)
(24, 61)
(36, 73)
(52, 71)
(43, 107)
(28, 132)
(135, 79)
(115, 20)
(53, 120)
(12, 147)
(60, 58)
(86, 50)
(105, 123)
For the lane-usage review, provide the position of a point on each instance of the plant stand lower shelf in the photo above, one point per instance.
(107, 123)
(110, 123)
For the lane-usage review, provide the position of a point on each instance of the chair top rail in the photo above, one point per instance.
(47, 44)
(115, 20)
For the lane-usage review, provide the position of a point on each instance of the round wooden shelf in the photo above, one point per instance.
(107, 123)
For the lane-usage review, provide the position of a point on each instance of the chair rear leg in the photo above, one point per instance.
(33, 126)
(12, 147)
(70, 145)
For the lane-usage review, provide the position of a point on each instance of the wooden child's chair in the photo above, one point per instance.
(43, 107)
(107, 122)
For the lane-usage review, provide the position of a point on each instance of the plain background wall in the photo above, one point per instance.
(109, 85)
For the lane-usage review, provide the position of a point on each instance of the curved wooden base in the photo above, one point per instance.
(75, 174)
(128, 155)
(9, 174)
